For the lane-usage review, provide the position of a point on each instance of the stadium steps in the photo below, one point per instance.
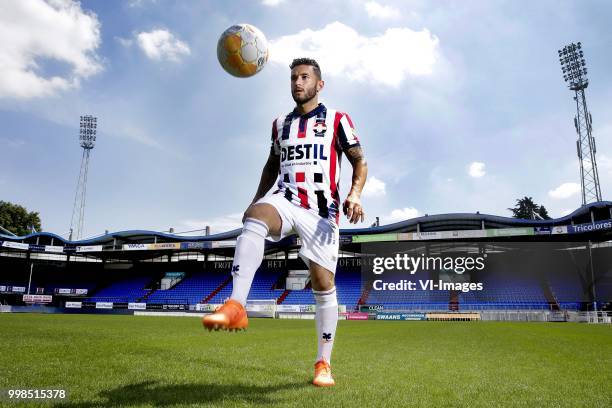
(453, 301)
(217, 290)
(281, 281)
(549, 295)
(149, 293)
(364, 297)
(282, 297)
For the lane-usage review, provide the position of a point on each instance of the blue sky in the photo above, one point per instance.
(460, 106)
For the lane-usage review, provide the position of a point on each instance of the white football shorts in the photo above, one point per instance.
(320, 237)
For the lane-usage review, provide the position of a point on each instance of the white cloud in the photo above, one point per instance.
(566, 212)
(11, 142)
(33, 31)
(271, 3)
(387, 59)
(565, 190)
(161, 45)
(126, 42)
(476, 169)
(374, 187)
(217, 225)
(377, 10)
(136, 133)
(604, 164)
(400, 214)
(140, 3)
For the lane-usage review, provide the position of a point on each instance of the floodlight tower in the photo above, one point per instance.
(87, 138)
(574, 70)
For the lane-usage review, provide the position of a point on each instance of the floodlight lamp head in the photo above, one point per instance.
(87, 131)
(573, 66)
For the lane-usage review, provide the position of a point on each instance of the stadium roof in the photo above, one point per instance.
(428, 223)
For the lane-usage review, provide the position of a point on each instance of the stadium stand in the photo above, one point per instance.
(129, 290)
(264, 285)
(129, 265)
(412, 300)
(192, 289)
(217, 281)
(504, 290)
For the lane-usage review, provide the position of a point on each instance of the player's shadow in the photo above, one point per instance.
(155, 394)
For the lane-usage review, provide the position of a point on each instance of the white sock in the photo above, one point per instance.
(247, 257)
(326, 318)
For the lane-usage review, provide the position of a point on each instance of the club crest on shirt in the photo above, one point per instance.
(320, 128)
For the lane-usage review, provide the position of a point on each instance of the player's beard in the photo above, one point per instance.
(306, 96)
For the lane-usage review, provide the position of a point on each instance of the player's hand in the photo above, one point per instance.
(352, 209)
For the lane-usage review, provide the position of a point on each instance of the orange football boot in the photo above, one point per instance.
(231, 316)
(323, 377)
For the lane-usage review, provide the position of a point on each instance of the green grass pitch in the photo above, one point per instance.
(109, 361)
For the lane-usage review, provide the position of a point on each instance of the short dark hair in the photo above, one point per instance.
(307, 61)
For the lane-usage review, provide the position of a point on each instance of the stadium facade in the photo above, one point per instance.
(130, 270)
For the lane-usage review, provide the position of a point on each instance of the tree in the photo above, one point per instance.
(543, 213)
(525, 208)
(17, 219)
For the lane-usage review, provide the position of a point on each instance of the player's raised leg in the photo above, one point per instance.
(260, 220)
(326, 318)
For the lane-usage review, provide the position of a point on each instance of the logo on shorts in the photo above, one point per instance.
(327, 337)
(235, 268)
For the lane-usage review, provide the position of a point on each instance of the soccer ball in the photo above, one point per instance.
(242, 50)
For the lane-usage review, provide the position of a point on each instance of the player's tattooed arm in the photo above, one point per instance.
(352, 205)
(268, 176)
